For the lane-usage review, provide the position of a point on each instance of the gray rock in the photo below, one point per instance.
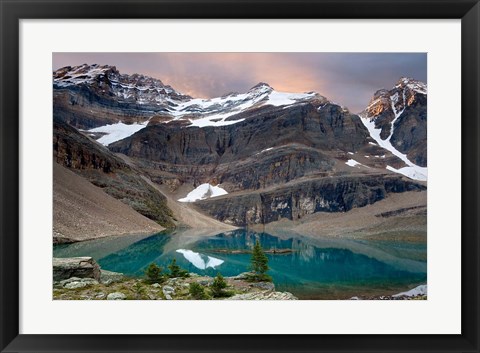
(75, 285)
(82, 267)
(241, 276)
(168, 290)
(75, 282)
(116, 296)
(108, 277)
(156, 285)
(168, 297)
(206, 282)
(267, 286)
(70, 280)
(264, 296)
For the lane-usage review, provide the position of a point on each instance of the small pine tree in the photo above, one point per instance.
(218, 287)
(259, 259)
(197, 291)
(154, 273)
(176, 271)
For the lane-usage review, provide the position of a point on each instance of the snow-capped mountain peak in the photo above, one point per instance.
(107, 81)
(396, 120)
(155, 98)
(262, 87)
(396, 99)
(412, 84)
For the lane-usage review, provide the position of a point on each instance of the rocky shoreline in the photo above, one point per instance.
(82, 279)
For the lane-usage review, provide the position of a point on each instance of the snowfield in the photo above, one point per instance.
(117, 132)
(202, 192)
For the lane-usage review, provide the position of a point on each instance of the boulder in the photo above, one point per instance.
(81, 267)
(168, 290)
(116, 296)
(108, 277)
(78, 283)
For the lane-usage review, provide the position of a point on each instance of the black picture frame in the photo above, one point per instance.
(12, 11)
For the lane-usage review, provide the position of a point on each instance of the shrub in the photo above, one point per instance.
(197, 291)
(218, 287)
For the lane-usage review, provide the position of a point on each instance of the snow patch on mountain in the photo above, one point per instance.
(117, 132)
(203, 192)
(354, 163)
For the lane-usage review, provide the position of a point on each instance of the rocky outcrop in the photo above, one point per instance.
(81, 267)
(297, 199)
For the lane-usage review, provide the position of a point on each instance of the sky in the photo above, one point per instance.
(349, 79)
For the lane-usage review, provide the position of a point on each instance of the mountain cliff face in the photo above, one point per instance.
(295, 200)
(401, 116)
(103, 169)
(277, 154)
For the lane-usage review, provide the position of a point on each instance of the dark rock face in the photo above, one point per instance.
(408, 99)
(297, 199)
(327, 127)
(273, 167)
(272, 145)
(76, 151)
(80, 267)
(103, 169)
(84, 108)
(410, 132)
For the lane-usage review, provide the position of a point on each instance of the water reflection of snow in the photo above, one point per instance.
(200, 261)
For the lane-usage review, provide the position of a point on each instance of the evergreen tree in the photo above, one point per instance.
(259, 259)
(218, 287)
(176, 271)
(154, 273)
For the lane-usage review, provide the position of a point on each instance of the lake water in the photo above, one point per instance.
(312, 269)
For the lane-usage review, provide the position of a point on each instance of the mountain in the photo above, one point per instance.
(400, 118)
(95, 163)
(273, 155)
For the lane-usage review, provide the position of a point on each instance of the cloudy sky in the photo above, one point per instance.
(349, 79)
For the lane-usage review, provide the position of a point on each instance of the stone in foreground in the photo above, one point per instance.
(264, 296)
(116, 296)
(81, 267)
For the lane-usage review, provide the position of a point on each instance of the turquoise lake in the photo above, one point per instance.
(311, 269)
